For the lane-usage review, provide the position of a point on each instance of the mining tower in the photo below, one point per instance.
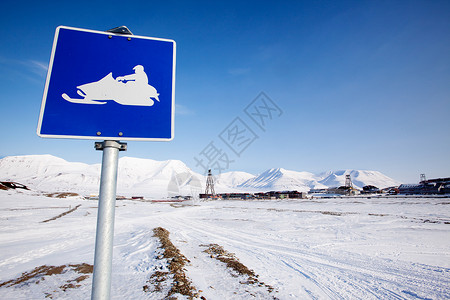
(210, 184)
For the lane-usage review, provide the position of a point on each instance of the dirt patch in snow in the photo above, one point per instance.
(176, 263)
(251, 278)
(63, 214)
(39, 274)
(62, 195)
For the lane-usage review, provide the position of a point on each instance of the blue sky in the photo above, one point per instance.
(360, 84)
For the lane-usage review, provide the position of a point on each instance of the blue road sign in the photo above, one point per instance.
(107, 86)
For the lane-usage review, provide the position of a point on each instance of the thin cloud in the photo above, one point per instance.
(37, 67)
(25, 68)
(40, 65)
(182, 110)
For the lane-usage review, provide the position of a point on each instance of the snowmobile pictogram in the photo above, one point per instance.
(130, 89)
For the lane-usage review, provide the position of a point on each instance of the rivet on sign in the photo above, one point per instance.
(120, 133)
(99, 133)
(129, 39)
(110, 36)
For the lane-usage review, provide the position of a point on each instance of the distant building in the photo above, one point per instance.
(392, 190)
(343, 190)
(441, 184)
(236, 196)
(417, 189)
(370, 189)
(426, 187)
(260, 195)
(317, 191)
(208, 196)
(281, 195)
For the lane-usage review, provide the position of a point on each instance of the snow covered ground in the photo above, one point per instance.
(347, 248)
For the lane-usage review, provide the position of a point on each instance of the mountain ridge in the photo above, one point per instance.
(148, 177)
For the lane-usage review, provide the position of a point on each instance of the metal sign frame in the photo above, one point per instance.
(116, 119)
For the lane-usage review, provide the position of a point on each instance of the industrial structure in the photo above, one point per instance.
(430, 186)
(209, 191)
(261, 195)
(348, 181)
(347, 189)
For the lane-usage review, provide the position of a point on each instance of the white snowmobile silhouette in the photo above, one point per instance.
(130, 89)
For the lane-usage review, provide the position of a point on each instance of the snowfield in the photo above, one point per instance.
(343, 248)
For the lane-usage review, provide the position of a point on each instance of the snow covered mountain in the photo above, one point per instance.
(280, 179)
(232, 179)
(49, 173)
(151, 178)
(359, 178)
(135, 176)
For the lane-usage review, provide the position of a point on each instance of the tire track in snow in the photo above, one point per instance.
(328, 292)
(357, 276)
(190, 233)
(209, 275)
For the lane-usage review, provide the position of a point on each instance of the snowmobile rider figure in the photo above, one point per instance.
(139, 78)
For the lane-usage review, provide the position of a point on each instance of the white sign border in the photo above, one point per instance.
(96, 137)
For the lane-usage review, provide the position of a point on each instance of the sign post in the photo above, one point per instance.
(108, 85)
(101, 283)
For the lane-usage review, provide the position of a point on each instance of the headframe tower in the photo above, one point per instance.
(210, 184)
(348, 181)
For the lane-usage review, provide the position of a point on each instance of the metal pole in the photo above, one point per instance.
(101, 283)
